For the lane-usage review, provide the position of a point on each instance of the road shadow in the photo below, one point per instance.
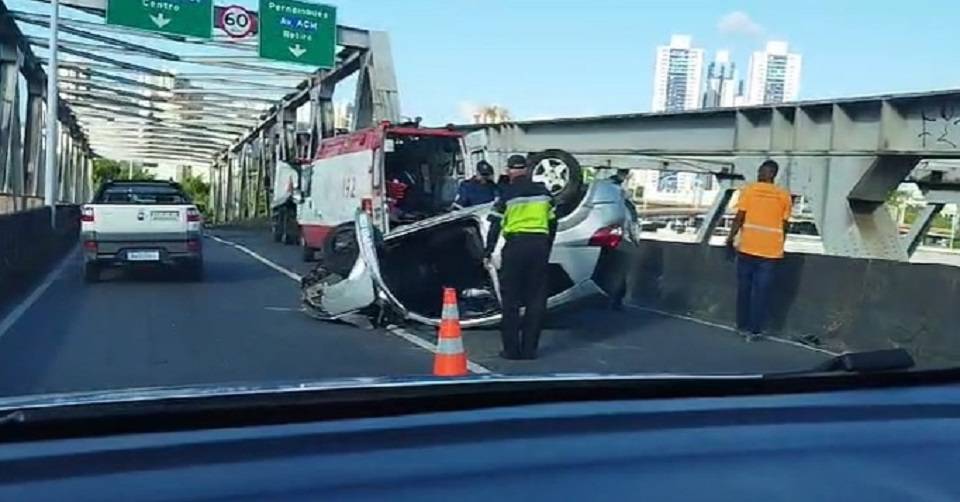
(214, 273)
(594, 324)
(33, 344)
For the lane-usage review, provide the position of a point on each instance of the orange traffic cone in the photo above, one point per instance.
(450, 359)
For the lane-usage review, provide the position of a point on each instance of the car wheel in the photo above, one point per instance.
(91, 272)
(562, 175)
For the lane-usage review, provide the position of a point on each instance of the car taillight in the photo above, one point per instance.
(367, 206)
(607, 237)
(193, 245)
(87, 214)
(193, 214)
(90, 245)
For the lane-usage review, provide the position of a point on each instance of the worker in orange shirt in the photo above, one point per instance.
(763, 213)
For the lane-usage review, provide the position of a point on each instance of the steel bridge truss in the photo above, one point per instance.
(845, 157)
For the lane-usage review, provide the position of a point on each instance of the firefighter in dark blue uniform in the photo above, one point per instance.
(477, 190)
(524, 214)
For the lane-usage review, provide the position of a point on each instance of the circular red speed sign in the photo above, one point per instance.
(236, 21)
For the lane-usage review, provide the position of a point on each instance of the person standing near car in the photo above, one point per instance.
(763, 213)
(525, 215)
(477, 190)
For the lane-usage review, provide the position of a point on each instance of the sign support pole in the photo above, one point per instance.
(50, 170)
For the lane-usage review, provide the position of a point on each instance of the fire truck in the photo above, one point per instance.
(398, 173)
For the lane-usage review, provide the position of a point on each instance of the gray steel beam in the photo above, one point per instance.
(9, 111)
(137, 48)
(298, 98)
(32, 146)
(123, 135)
(714, 215)
(377, 96)
(910, 124)
(67, 49)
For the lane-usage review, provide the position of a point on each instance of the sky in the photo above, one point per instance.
(548, 58)
(552, 58)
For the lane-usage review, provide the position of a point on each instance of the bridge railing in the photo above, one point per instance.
(29, 246)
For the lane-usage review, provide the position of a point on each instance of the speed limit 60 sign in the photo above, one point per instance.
(236, 21)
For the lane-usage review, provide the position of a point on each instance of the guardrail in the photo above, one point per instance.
(29, 246)
(15, 203)
(830, 301)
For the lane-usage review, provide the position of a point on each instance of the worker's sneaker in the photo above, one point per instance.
(753, 337)
(510, 356)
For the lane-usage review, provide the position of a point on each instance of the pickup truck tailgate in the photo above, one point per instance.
(133, 220)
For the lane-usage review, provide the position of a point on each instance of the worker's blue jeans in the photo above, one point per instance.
(754, 277)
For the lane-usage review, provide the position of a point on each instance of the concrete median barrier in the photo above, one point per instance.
(835, 302)
(29, 246)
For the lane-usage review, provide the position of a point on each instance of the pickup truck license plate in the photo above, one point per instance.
(165, 215)
(143, 255)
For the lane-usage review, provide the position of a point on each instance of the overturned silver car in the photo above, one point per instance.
(400, 276)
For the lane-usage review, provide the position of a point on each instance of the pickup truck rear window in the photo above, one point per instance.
(141, 194)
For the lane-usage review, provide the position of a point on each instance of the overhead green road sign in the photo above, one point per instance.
(298, 32)
(193, 18)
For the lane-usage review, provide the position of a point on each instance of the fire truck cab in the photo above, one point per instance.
(397, 174)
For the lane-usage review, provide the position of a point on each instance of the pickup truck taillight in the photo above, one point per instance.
(87, 214)
(607, 237)
(367, 206)
(193, 214)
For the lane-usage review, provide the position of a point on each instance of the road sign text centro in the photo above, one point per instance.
(298, 31)
(180, 17)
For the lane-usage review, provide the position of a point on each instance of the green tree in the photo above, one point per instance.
(198, 190)
(109, 169)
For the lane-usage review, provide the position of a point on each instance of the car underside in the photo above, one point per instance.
(404, 273)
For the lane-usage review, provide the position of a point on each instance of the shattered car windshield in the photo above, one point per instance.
(407, 191)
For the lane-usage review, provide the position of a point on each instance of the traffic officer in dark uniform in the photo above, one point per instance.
(524, 213)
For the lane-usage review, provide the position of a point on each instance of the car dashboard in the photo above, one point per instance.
(874, 444)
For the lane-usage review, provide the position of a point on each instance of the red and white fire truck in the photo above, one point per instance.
(398, 174)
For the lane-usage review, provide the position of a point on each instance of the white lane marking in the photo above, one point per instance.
(420, 342)
(293, 275)
(25, 305)
(394, 330)
(731, 329)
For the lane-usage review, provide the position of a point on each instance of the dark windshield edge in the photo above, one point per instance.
(283, 407)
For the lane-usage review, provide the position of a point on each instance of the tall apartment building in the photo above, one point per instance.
(721, 88)
(774, 75)
(678, 77)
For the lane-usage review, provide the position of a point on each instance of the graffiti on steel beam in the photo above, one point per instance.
(940, 126)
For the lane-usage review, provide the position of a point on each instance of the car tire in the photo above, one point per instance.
(194, 270)
(563, 176)
(91, 272)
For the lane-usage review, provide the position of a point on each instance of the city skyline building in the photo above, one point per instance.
(678, 76)
(774, 75)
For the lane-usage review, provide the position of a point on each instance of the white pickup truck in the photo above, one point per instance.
(141, 223)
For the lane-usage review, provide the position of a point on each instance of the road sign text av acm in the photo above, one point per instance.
(298, 32)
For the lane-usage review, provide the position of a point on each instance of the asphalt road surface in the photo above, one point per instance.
(243, 324)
